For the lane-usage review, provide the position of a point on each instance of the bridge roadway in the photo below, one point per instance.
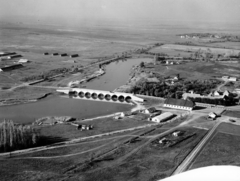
(101, 95)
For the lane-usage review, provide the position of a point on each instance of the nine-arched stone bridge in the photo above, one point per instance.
(101, 95)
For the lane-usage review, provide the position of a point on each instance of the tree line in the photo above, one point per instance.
(226, 101)
(162, 89)
(13, 137)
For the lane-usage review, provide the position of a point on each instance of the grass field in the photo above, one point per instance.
(229, 129)
(232, 113)
(122, 156)
(134, 162)
(223, 149)
(196, 48)
(198, 70)
(102, 125)
(25, 93)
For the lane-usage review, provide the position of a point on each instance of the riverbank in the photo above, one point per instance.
(22, 95)
(10, 102)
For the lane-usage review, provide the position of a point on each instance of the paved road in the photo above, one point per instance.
(188, 160)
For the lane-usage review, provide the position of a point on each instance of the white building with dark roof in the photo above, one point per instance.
(162, 117)
(187, 105)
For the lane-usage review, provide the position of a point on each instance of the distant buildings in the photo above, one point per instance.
(3, 54)
(74, 55)
(212, 115)
(23, 61)
(150, 110)
(213, 95)
(227, 78)
(179, 104)
(10, 67)
(124, 114)
(63, 55)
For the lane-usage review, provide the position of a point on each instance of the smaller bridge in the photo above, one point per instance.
(101, 95)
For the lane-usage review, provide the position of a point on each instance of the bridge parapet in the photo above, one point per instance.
(101, 95)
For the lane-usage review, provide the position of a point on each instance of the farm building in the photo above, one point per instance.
(15, 56)
(162, 118)
(149, 110)
(46, 53)
(10, 67)
(63, 55)
(177, 133)
(23, 61)
(55, 54)
(3, 54)
(124, 114)
(156, 113)
(227, 78)
(179, 104)
(74, 55)
(234, 79)
(191, 94)
(212, 115)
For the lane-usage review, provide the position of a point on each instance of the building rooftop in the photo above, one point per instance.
(179, 102)
(163, 116)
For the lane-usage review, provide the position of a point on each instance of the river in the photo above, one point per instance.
(117, 73)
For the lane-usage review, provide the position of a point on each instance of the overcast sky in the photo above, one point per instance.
(72, 11)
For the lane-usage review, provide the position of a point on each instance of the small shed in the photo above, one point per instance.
(124, 114)
(150, 110)
(234, 79)
(177, 133)
(23, 61)
(74, 55)
(63, 55)
(10, 67)
(212, 115)
(163, 140)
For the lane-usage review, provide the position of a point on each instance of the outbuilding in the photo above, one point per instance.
(7, 54)
(150, 110)
(74, 55)
(10, 67)
(124, 114)
(23, 61)
(162, 117)
(212, 115)
(63, 55)
(233, 79)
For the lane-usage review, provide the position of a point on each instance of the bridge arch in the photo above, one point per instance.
(100, 96)
(114, 97)
(87, 95)
(128, 99)
(121, 98)
(81, 94)
(94, 95)
(107, 97)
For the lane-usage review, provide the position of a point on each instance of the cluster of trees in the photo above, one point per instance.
(46, 75)
(13, 137)
(227, 101)
(162, 89)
